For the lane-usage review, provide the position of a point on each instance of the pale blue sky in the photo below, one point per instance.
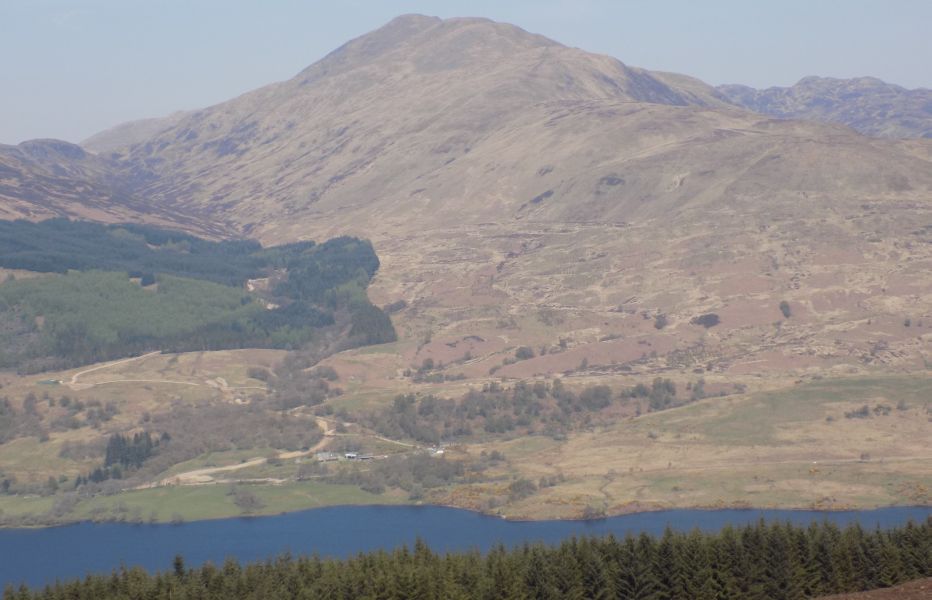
(73, 67)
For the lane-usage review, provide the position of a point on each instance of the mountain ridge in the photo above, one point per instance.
(867, 104)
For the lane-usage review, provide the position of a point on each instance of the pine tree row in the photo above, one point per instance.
(761, 561)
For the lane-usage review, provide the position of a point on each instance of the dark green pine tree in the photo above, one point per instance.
(809, 569)
(818, 539)
(449, 586)
(699, 581)
(178, 566)
(634, 571)
(330, 587)
(404, 584)
(666, 565)
(595, 572)
(916, 550)
(778, 571)
(539, 576)
(890, 570)
(854, 545)
(567, 572)
(725, 558)
(22, 593)
(753, 558)
(799, 577)
(503, 575)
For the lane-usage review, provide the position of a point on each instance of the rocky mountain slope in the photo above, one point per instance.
(385, 111)
(127, 134)
(866, 104)
(522, 192)
(40, 179)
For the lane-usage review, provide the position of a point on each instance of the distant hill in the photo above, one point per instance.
(51, 178)
(866, 104)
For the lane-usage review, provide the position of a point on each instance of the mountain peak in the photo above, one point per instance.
(429, 43)
(412, 21)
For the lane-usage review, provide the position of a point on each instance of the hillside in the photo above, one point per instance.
(40, 179)
(483, 161)
(127, 134)
(866, 104)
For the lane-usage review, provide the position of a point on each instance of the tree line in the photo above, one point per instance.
(524, 408)
(62, 245)
(773, 561)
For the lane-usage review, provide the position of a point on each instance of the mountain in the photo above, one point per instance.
(383, 110)
(127, 134)
(866, 104)
(523, 192)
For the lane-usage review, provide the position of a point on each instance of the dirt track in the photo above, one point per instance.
(921, 589)
(205, 476)
(76, 376)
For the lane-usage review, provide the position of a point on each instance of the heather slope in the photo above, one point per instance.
(503, 175)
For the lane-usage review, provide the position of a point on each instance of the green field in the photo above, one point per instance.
(190, 503)
(761, 417)
(214, 501)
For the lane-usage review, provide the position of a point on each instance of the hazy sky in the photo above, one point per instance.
(71, 68)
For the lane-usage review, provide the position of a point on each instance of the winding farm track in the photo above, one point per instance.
(76, 376)
(218, 383)
(205, 476)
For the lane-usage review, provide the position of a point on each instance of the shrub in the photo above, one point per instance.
(260, 373)
(326, 372)
(596, 397)
(524, 353)
(707, 320)
(861, 413)
(521, 488)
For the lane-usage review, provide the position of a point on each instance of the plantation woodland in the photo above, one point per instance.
(757, 562)
(109, 291)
